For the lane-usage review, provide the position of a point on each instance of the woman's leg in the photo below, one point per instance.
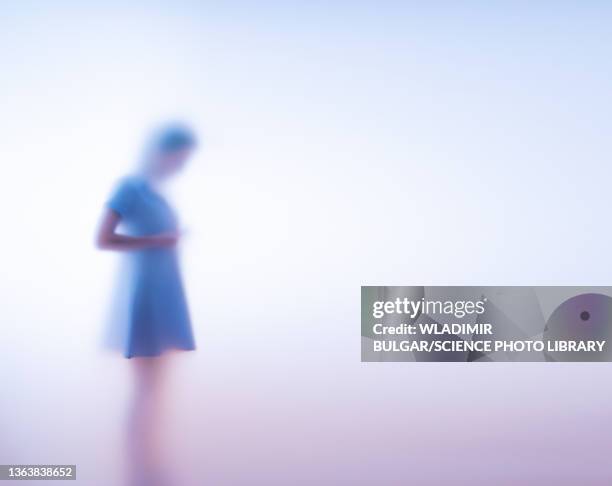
(145, 421)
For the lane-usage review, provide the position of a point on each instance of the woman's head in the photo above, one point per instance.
(169, 149)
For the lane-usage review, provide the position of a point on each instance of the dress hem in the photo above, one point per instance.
(158, 354)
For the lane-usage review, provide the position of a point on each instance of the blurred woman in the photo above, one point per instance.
(153, 318)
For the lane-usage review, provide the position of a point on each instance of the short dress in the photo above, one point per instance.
(150, 314)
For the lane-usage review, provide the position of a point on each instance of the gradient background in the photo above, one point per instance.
(345, 144)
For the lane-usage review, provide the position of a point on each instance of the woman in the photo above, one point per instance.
(154, 317)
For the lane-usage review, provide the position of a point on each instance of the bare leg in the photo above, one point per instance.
(145, 424)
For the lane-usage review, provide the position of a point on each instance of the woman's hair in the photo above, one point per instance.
(166, 139)
(174, 137)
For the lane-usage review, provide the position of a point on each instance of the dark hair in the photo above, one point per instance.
(175, 137)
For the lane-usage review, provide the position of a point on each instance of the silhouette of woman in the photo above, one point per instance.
(154, 318)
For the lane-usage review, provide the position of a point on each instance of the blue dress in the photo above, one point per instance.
(151, 314)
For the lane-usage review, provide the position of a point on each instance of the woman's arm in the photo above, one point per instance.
(108, 239)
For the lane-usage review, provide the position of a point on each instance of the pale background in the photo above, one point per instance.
(344, 144)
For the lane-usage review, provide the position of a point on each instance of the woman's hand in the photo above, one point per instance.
(164, 239)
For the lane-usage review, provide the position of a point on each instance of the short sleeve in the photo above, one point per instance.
(122, 197)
